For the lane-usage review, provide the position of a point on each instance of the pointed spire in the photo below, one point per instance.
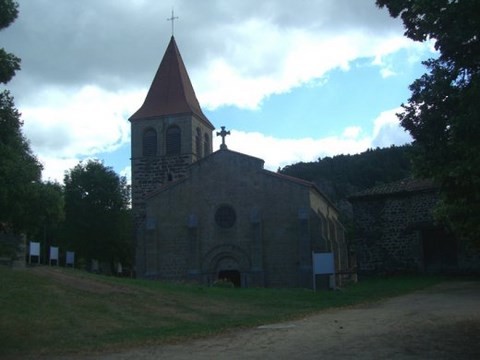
(171, 91)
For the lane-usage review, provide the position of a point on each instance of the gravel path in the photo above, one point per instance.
(442, 322)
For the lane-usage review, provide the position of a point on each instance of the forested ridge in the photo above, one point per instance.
(341, 176)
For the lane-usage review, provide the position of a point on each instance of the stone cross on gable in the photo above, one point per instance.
(223, 133)
(172, 19)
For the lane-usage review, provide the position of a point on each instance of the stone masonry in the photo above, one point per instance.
(395, 232)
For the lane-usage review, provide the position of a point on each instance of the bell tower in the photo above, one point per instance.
(168, 132)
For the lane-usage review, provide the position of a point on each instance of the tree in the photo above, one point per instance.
(9, 63)
(26, 204)
(20, 171)
(97, 217)
(341, 176)
(19, 168)
(47, 214)
(443, 112)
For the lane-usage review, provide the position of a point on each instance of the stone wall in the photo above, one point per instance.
(384, 235)
(397, 233)
(150, 173)
(13, 249)
(270, 242)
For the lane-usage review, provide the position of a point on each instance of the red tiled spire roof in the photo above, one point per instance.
(171, 91)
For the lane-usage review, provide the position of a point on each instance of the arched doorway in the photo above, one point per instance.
(226, 261)
(227, 269)
(232, 276)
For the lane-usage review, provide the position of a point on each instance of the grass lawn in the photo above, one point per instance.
(47, 310)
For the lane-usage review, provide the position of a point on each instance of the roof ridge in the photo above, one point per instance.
(402, 186)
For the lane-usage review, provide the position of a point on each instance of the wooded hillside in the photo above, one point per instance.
(343, 175)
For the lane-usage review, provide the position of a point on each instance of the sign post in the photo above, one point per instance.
(34, 251)
(323, 264)
(53, 255)
(70, 259)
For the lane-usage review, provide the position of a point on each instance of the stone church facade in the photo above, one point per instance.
(203, 215)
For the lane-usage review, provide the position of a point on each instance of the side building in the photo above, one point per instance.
(395, 232)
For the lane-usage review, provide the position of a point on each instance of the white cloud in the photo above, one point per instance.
(67, 126)
(385, 56)
(82, 67)
(54, 168)
(127, 172)
(387, 130)
(265, 60)
(84, 122)
(281, 152)
(352, 132)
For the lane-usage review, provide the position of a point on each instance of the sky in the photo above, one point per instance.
(292, 80)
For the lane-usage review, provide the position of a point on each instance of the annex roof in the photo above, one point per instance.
(171, 91)
(402, 187)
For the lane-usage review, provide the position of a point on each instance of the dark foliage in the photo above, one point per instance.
(97, 217)
(8, 12)
(19, 169)
(9, 63)
(343, 175)
(443, 112)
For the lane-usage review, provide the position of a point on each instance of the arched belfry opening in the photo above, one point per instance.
(149, 142)
(174, 140)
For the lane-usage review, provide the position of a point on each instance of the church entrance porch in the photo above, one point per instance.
(226, 262)
(232, 276)
(227, 270)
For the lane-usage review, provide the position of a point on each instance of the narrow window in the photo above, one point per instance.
(206, 145)
(173, 140)
(198, 143)
(225, 216)
(331, 228)
(149, 142)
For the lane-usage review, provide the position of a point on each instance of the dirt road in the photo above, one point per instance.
(442, 322)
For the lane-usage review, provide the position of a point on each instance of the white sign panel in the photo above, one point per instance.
(323, 263)
(34, 248)
(70, 258)
(53, 253)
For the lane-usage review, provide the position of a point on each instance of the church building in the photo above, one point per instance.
(206, 216)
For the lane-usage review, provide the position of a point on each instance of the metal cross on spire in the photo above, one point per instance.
(172, 19)
(223, 133)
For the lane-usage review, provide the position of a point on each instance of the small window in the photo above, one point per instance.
(149, 142)
(331, 228)
(206, 145)
(198, 143)
(173, 140)
(225, 216)
(323, 224)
